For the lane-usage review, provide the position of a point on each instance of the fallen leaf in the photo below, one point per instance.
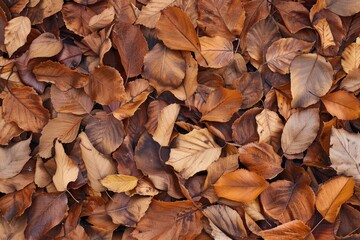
(14, 229)
(240, 185)
(45, 45)
(342, 105)
(150, 14)
(7, 130)
(311, 78)
(351, 82)
(342, 7)
(294, 230)
(16, 32)
(119, 183)
(250, 85)
(351, 57)
(332, 194)
(77, 17)
(323, 28)
(193, 152)
(244, 129)
(103, 19)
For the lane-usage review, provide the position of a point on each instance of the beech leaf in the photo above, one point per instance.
(16, 32)
(45, 45)
(150, 14)
(294, 230)
(119, 183)
(342, 105)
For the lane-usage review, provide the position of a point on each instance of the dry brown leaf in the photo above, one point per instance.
(216, 52)
(23, 106)
(294, 230)
(332, 194)
(193, 152)
(343, 7)
(269, 128)
(150, 14)
(221, 104)
(63, 77)
(323, 28)
(119, 183)
(13, 230)
(311, 78)
(351, 57)
(16, 32)
(168, 225)
(7, 130)
(103, 19)
(351, 82)
(345, 153)
(66, 169)
(261, 158)
(77, 17)
(166, 121)
(240, 185)
(45, 45)
(342, 105)
(300, 131)
(286, 201)
(97, 165)
(64, 128)
(14, 158)
(250, 85)
(244, 129)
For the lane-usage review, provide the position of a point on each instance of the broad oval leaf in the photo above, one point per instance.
(250, 85)
(311, 78)
(351, 57)
(332, 194)
(343, 7)
(45, 45)
(16, 32)
(119, 183)
(300, 131)
(77, 17)
(150, 14)
(342, 105)
(345, 153)
(23, 106)
(103, 19)
(7, 130)
(351, 82)
(294, 230)
(240, 185)
(323, 28)
(193, 152)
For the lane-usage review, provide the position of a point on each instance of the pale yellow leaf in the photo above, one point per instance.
(16, 32)
(119, 183)
(166, 121)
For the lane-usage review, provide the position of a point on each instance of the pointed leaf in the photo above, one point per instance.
(342, 105)
(166, 121)
(269, 128)
(119, 183)
(323, 28)
(294, 230)
(150, 14)
(351, 57)
(45, 45)
(16, 32)
(7, 130)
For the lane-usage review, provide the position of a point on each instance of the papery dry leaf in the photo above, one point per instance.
(351, 57)
(193, 152)
(226, 220)
(105, 85)
(103, 19)
(119, 183)
(286, 201)
(43, 176)
(64, 128)
(24, 178)
(294, 230)
(351, 82)
(77, 17)
(221, 104)
(42, 10)
(240, 185)
(345, 153)
(97, 165)
(216, 52)
(16, 32)
(221, 17)
(13, 230)
(342, 105)
(169, 226)
(343, 7)
(105, 132)
(60, 75)
(250, 85)
(164, 68)
(7, 130)
(175, 29)
(332, 194)
(24, 107)
(126, 210)
(244, 129)
(311, 78)
(45, 45)
(300, 131)
(281, 53)
(323, 28)
(261, 158)
(66, 169)
(46, 211)
(166, 122)
(269, 128)
(150, 14)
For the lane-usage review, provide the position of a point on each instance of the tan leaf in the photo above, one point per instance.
(150, 14)
(240, 185)
(73, 101)
(244, 129)
(169, 226)
(281, 53)
(66, 169)
(342, 105)
(216, 52)
(164, 68)
(311, 78)
(226, 220)
(77, 17)
(294, 230)
(14, 158)
(105, 85)
(45, 45)
(286, 201)
(193, 152)
(63, 77)
(351, 82)
(300, 131)
(221, 104)
(261, 158)
(345, 153)
(175, 29)
(97, 165)
(119, 183)
(166, 121)
(13, 230)
(16, 32)
(351, 57)
(23, 106)
(103, 19)
(250, 85)
(269, 128)
(324, 31)
(343, 7)
(7, 130)
(332, 194)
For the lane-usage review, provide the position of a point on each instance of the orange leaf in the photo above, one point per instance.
(294, 230)
(342, 105)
